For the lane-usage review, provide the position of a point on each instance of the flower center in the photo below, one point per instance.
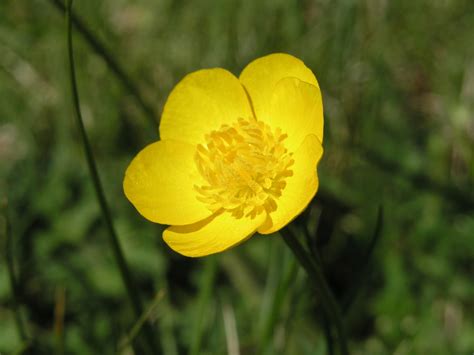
(245, 166)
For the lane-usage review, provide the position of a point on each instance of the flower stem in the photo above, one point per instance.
(320, 285)
(114, 241)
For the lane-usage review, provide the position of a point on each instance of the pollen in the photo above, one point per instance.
(244, 166)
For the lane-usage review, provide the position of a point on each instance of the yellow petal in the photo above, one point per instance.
(213, 235)
(296, 107)
(202, 102)
(261, 76)
(300, 187)
(160, 181)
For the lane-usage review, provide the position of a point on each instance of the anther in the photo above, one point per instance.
(245, 166)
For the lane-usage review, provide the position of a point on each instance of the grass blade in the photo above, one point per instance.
(230, 328)
(206, 286)
(320, 285)
(140, 322)
(364, 269)
(8, 248)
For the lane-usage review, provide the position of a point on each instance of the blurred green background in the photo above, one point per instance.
(398, 86)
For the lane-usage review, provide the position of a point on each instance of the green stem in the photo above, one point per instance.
(320, 285)
(328, 334)
(141, 322)
(13, 282)
(114, 242)
(100, 49)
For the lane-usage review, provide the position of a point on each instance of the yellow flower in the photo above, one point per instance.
(236, 155)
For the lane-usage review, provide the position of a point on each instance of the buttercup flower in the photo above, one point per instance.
(236, 155)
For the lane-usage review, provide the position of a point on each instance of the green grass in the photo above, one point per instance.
(398, 88)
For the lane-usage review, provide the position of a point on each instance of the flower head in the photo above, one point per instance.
(236, 155)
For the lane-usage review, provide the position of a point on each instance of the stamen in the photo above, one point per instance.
(245, 166)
